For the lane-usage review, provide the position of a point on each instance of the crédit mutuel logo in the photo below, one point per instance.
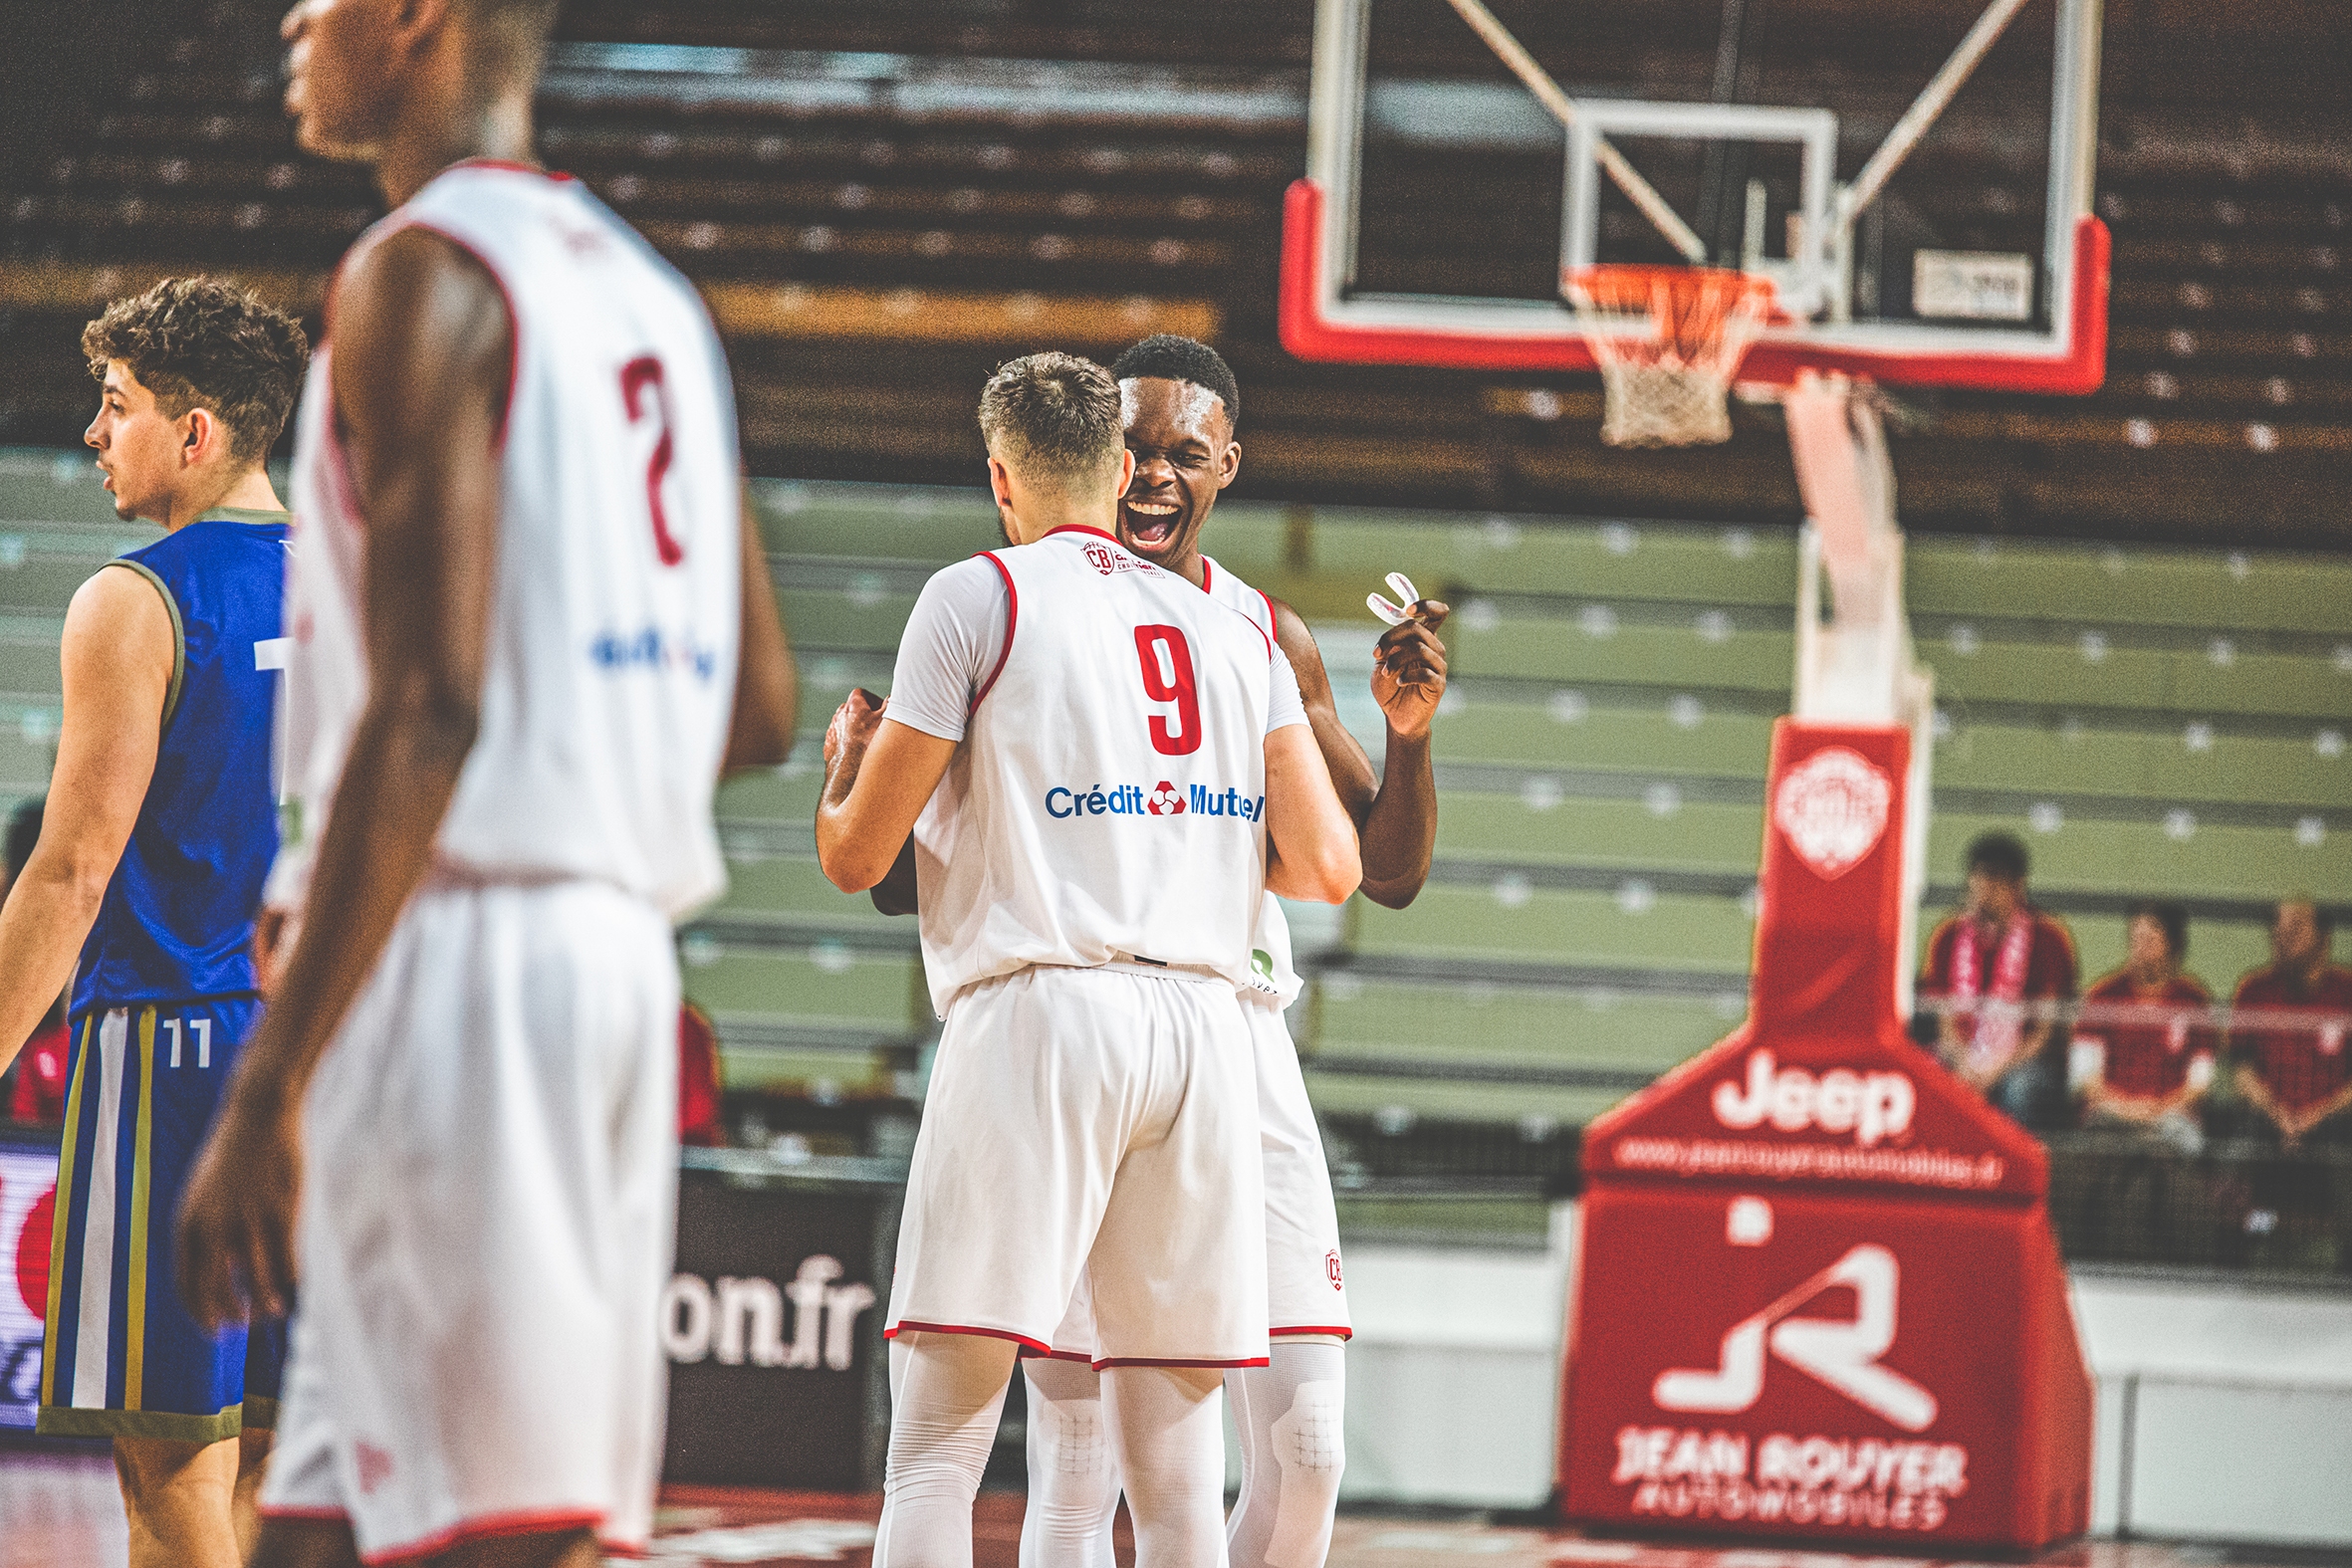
(1161, 799)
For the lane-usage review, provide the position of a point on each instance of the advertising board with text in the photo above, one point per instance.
(1819, 1296)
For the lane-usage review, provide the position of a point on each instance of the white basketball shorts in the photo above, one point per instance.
(486, 1226)
(1097, 1119)
(1306, 1292)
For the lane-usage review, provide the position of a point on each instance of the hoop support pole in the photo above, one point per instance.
(1923, 110)
(1564, 107)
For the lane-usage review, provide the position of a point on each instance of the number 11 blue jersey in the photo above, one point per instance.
(178, 920)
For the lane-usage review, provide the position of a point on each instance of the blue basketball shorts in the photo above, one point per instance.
(121, 1356)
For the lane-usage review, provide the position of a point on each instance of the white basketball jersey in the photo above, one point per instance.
(1108, 798)
(1274, 980)
(614, 620)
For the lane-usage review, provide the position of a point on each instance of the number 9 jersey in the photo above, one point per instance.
(1109, 799)
(610, 673)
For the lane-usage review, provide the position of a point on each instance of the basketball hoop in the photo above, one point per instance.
(1668, 341)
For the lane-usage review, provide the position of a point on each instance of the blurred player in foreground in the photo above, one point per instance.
(158, 831)
(1103, 769)
(1179, 403)
(532, 624)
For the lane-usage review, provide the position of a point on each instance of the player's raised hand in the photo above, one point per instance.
(1409, 669)
(236, 1218)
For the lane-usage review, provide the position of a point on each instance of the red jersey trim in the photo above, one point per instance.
(514, 339)
(1208, 577)
(1028, 1354)
(1083, 528)
(1171, 1360)
(906, 1326)
(1012, 625)
(1340, 1329)
(486, 1527)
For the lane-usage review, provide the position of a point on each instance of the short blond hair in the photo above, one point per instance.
(1055, 417)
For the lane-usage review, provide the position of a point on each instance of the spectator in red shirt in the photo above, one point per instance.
(36, 1085)
(2291, 1069)
(2147, 1028)
(2003, 972)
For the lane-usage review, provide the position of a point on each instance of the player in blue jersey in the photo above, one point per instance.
(160, 827)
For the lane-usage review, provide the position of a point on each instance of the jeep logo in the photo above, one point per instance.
(1870, 1106)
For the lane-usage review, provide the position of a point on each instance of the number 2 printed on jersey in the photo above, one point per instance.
(1167, 676)
(637, 377)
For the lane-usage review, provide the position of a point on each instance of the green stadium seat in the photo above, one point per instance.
(1628, 834)
(1456, 1099)
(1560, 649)
(2093, 585)
(1659, 931)
(1645, 741)
(826, 987)
(2142, 859)
(2253, 769)
(1438, 1025)
(792, 894)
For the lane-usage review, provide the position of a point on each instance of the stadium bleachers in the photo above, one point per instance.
(1600, 763)
(884, 201)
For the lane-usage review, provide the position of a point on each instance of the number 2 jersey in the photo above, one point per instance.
(1109, 799)
(610, 675)
(177, 923)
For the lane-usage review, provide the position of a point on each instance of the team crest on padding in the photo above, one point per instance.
(1165, 800)
(1833, 809)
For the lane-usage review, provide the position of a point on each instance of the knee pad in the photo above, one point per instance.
(1311, 1453)
(1073, 1440)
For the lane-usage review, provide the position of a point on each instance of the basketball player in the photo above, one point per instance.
(1180, 402)
(1102, 769)
(521, 578)
(159, 829)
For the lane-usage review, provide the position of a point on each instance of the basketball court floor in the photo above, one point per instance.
(61, 1511)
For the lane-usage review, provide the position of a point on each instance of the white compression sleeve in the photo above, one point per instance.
(1073, 1475)
(946, 1393)
(1288, 1414)
(1169, 1427)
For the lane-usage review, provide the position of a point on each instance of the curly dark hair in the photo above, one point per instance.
(1055, 415)
(1168, 357)
(206, 343)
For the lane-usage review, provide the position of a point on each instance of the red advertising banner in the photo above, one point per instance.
(1818, 1292)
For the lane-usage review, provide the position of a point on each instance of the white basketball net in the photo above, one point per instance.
(1668, 341)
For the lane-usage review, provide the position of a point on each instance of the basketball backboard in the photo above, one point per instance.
(1915, 178)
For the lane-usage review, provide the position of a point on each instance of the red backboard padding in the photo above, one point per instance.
(1819, 1295)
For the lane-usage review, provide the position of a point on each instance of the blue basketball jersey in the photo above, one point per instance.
(178, 920)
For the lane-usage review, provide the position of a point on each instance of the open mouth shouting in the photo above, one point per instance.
(1149, 524)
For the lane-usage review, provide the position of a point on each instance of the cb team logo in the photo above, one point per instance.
(1833, 807)
(1165, 800)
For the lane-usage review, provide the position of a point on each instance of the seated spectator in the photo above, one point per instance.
(2144, 1034)
(34, 1089)
(2005, 972)
(2287, 1029)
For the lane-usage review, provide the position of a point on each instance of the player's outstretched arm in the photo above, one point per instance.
(767, 684)
(116, 660)
(422, 345)
(878, 776)
(1314, 856)
(1395, 812)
